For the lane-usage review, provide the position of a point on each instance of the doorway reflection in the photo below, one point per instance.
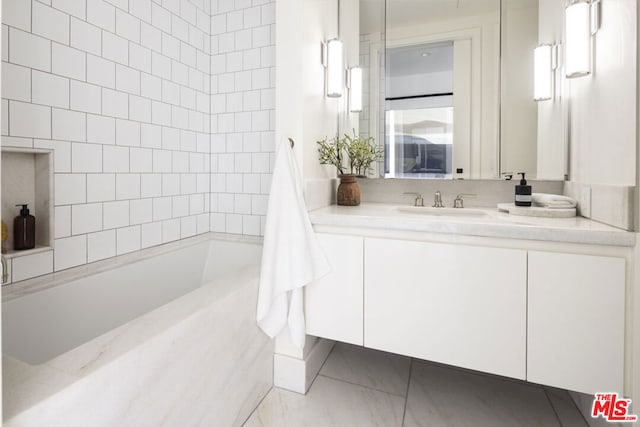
(419, 111)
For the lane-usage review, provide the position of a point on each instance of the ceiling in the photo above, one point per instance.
(420, 59)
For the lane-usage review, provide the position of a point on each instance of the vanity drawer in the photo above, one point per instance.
(454, 304)
(576, 321)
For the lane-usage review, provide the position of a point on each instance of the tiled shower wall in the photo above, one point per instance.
(120, 90)
(365, 63)
(242, 113)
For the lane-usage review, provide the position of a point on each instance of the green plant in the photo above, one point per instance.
(352, 152)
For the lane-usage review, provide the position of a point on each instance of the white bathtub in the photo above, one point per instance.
(166, 337)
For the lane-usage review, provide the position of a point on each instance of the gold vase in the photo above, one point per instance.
(348, 190)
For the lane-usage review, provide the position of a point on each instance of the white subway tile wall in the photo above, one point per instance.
(133, 96)
(242, 114)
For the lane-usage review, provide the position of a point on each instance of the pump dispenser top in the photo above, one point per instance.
(523, 181)
(523, 192)
(25, 210)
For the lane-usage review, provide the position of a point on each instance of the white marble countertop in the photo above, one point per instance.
(481, 222)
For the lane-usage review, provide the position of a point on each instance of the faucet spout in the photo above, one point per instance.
(437, 200)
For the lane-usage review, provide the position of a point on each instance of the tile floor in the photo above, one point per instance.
(359, 387)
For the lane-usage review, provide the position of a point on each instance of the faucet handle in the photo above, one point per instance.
(419, 200)
(458, 202)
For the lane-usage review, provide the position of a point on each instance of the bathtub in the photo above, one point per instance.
(165, 336)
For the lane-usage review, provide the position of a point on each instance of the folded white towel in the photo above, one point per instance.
(552, 201)
(291, 254)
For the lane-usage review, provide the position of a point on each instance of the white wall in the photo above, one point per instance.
(242, 113)
(602, 121)
(304, 112)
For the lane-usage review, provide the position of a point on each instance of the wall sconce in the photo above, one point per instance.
(545, 64)
(334, 68)
(354, 84)
(582, 20)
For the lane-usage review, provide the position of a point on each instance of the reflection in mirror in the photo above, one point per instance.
(419, 111)
(518, 124)
(443, 63)
(443, 100)
(372, 62)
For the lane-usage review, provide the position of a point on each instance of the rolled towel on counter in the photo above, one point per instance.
(552, 201)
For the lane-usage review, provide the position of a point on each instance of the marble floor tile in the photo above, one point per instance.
(440, 396)
(369, 368)
(329, 403)
(565, 408)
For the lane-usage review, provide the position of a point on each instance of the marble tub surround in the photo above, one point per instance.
(488, 192)
(432, 395)
(170, 366)
(383, 216)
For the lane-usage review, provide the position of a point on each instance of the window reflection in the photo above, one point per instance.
(419, 143)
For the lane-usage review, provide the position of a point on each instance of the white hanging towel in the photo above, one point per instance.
(291, 254)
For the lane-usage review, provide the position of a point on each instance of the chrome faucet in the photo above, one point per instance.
(419, 200)
(458, 202)
(5, 274)
(437, 200)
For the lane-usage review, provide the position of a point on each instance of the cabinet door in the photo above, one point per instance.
(453, 304)
(333, 304)
(576, 321)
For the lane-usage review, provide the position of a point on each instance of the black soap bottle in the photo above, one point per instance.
(523, 192)
(24, 230)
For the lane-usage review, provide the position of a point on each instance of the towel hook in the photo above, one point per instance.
(291, 142)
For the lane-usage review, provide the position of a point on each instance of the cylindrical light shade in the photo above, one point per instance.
(542, 73)
(355, 89)
(578, 40)
(335, 69)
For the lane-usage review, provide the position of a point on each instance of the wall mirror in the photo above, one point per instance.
(448, 89)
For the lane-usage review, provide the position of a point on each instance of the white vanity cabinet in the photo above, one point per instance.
(455, 304)
(552, 318)
(576, 321)
(333, 304)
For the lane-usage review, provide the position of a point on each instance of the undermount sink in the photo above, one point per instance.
(456, 212)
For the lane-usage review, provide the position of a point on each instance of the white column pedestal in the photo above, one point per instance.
(295, 369)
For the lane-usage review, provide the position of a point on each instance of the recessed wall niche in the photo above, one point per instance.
(27, 178)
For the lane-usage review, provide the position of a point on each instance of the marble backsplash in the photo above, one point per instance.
(610, 204)
(487, 193)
